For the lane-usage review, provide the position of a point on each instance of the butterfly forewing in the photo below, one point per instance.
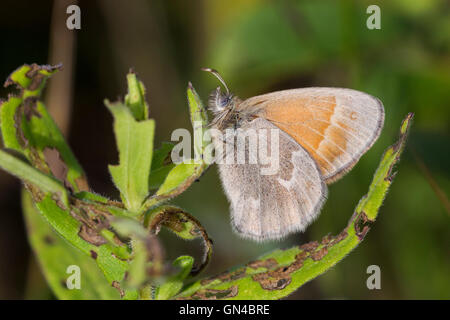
(336, 126)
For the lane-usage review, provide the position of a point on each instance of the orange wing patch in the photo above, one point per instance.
(335, 125)
(309, 121)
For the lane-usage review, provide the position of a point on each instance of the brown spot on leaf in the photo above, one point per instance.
(194, 231)
(49, 240)
(319, 254)
(267, 263)
(36, 81)
(362, 225)
(226, 276)
(282, 283)
(280, 278)
(272, 283)
(211, 294)
(8, 82)
(30, 108)
(34, 68)
(341, 236)
(399, 145)
(116, 284)
(37, 77)
(57, 166)
(167, 160)
(91, 236)
(93, 254)
(301, 256)
(82, 183)
(207, 281)
(35, 192)
(155, 253)
(327, 239)
(23, 141)
(310, 246)
(391, 175)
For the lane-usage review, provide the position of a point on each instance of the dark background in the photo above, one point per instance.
(258, 46)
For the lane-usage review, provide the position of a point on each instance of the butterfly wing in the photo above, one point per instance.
(271, 206)
(336, 126)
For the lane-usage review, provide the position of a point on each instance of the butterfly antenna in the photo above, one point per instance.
(217, 75)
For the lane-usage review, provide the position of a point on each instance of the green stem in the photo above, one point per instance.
(29, 174)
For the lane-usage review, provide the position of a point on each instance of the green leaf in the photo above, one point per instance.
(137, 273)
(44, 136)
(31, 78)
(135, 99)
(174, 284)
(10, 133)
(55, 255)
(199, 120)
(100, 245)
(158, 176)
(128, 228)
(90, 196)
(27, 128)
(181, 176)
(147, 258)
(279, 273)
(161, 156)
(135, 144)
(70, 228)
(31, 175)
(161, 165)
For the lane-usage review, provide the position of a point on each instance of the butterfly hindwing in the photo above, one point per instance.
(271, 206)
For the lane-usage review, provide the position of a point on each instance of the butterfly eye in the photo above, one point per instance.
(219, 101)
(224, 101)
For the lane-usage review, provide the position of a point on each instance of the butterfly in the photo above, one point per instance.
(322, 133)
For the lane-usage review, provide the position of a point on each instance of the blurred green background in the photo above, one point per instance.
(258, 46)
